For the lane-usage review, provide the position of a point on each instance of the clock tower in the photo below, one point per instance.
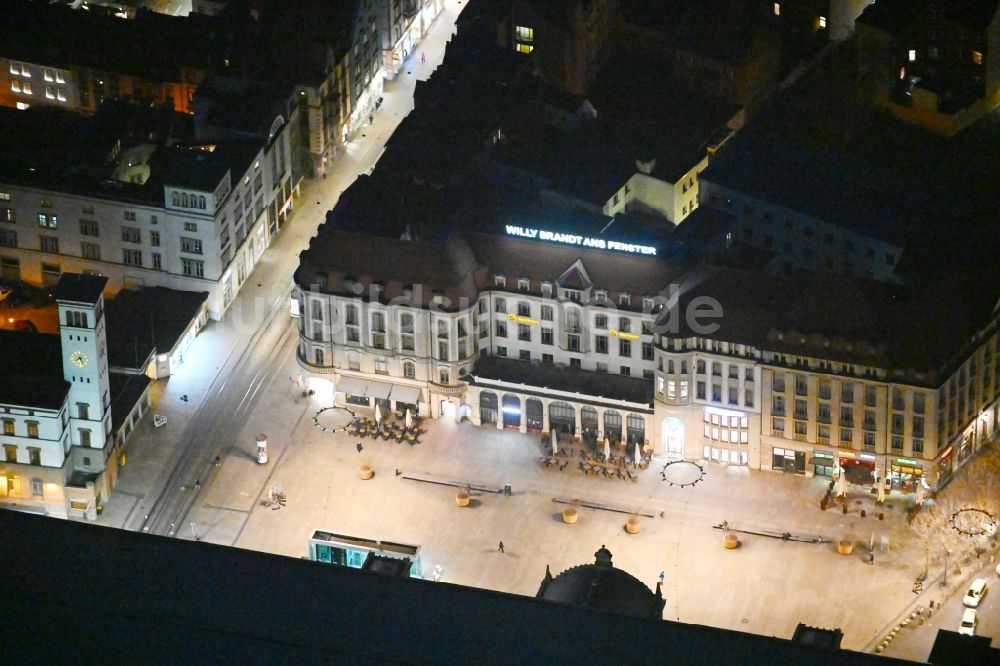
(85, 357)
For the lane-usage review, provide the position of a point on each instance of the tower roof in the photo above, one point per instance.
(601, 586)
(79, 288)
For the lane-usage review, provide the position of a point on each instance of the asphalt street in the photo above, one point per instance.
(257, 337)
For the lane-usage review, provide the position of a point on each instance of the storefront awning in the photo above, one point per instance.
(379, 390)
(352, 386)
(407, 394)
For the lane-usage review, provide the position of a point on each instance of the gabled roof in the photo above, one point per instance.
(575, 277)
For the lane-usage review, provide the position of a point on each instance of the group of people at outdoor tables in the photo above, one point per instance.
(599, 462)
(401, 426)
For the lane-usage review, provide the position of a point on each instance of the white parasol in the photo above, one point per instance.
(638, 453)
(881, 492)
(555, 445)
(378, 413)
(607, 448)
(409, 419)
(841, 483)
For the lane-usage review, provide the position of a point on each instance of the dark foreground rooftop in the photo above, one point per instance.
(83, 594)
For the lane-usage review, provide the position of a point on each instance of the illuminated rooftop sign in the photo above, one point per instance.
(583, 241)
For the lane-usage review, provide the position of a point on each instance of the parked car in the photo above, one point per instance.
(969, 621)
(975, 593)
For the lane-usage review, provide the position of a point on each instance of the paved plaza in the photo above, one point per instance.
(766, 586)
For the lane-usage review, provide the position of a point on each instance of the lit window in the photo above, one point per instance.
(777, 9)
(26, 87)
(25, 71)
(47, 74)
(60, 95)
(60, 78)
(525, 34)
(50, 92)
(15, 85)
(14, 69)
(912, 55)
(821, 22)
(977, 57)
(525, 48)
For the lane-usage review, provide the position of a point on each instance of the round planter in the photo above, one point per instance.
(845, 547)
(570, 515)
(633, 526)
(462, 499)
(366, 472)
(730, 541)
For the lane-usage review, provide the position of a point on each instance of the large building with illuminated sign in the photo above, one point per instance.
(800, 376)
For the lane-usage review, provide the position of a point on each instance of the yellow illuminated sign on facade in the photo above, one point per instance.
(623, 335)
(521, 320)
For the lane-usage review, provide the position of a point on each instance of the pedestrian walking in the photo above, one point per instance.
(371, 118)
(501, 547)
(359, 447)
(423, 57)
(663, 575)
(197, 484)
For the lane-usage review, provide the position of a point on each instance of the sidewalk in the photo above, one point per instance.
(154, 452)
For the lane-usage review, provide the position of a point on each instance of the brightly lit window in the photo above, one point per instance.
(777, 9)
(525, 48)
(525, 34)
(977, 57)
(15, 85)
(821, 22)
(912, 55)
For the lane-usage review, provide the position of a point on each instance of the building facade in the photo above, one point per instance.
(538, 337)
(61, 456)
(196, 218)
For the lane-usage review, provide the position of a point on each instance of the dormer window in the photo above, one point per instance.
(601, 296)
(523, 284)
(500, 280)
(624, 299)
(547, 289)
(647, 304)
(572, 294)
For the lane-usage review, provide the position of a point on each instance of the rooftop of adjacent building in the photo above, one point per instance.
(893, 15)
(184, 597)
(141, 320)
(152, 45)
(33, 370)
(63, 151)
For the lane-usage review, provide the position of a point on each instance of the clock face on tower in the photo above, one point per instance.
(78, 358)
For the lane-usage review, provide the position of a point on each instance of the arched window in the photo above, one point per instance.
(409, 370)
(184, 200)
(201, 202)
(175, 199)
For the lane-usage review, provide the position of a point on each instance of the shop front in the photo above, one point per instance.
(534, 413)
(905, 474)
(859, 468)
(562, 418)
(488, 408)
(511, 411)
(945, 466)
(823, 463)
(788, 460)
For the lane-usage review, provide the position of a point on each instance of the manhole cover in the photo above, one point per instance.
(331, 419)
(682, 473)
